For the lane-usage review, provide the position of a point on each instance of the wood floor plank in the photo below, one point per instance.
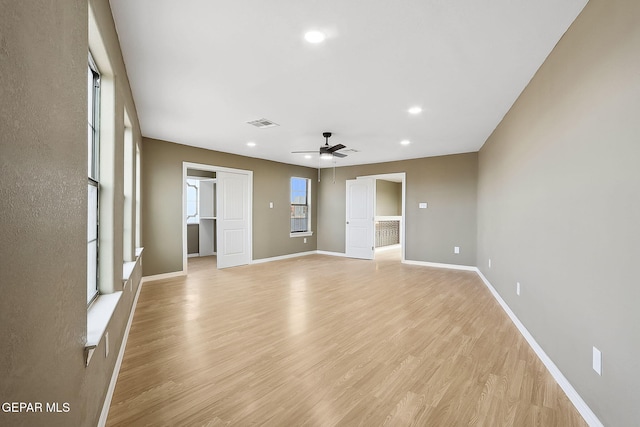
(324, 341)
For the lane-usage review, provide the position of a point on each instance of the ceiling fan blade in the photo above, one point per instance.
(336, 148)
(339, 155)
(296, 152)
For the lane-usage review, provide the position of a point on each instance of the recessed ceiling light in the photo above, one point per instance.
(405, 142)
(314, 37)
(251, 144)
(308, 156)
(415, 110)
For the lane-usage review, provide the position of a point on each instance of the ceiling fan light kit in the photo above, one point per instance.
(327, 151)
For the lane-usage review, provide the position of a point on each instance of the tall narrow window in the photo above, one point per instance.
(93, 107)
(300, 215)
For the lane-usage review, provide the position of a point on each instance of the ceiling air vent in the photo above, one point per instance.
(263, 123)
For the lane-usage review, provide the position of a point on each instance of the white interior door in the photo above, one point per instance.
(360, 218)
(232, 195)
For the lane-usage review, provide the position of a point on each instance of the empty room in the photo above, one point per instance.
(311, 213)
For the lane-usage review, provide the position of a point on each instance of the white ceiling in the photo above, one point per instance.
(201, 69)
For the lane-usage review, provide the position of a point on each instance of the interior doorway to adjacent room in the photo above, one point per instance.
(375, 215)
(216, 214)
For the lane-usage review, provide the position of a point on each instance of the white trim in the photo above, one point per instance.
(331, 253)
(441, 265)
(281, 257)
(582, 407)
(163, 276)
(127, 269)
(116, 369)
(99, 315)
(301, 234)
(193, 255)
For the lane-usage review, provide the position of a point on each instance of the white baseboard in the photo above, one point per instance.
(193, 255)
(116, 369)
(281, 257)
(331, 253)
(163, 276)
(441, 265)
(562, 381)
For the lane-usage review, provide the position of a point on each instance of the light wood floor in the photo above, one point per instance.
(323, 341)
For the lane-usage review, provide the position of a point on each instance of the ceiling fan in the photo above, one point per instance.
(326, 150)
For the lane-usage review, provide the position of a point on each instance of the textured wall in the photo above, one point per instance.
(43, 187)
(388, 198)
(559, 207)
(43, 210)
(162, 197)
(447, 183)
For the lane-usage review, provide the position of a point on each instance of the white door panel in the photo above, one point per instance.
(233, 219)
(360, 218)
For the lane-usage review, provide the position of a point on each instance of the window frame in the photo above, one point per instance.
(308, 231)
(93, 169)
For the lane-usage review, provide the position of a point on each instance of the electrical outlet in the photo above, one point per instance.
(305, 240)
(517, 288)
(270, 205)
(489, 262)
(597, 361)
(106, 344)
(456, 249)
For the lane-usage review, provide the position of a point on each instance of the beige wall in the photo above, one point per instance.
(559, 207)
(447, 183)
(162, 196)
(388, 198)
(43, 182)
(193, 238)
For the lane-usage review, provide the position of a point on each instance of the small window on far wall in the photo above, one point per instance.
(300, 213)
(193, 189)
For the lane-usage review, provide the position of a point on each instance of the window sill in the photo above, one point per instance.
(127, 270)
(301, 234)
(98, 316)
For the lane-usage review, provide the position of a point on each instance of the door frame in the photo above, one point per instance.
(403, 177)
(213, 168)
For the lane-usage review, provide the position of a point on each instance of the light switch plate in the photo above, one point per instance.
(423, 205)
(597, 361)
(456, 249)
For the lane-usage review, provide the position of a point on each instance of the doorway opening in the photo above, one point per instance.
(200, 213)
(216, 215)
(389, 204)
(376, 216)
